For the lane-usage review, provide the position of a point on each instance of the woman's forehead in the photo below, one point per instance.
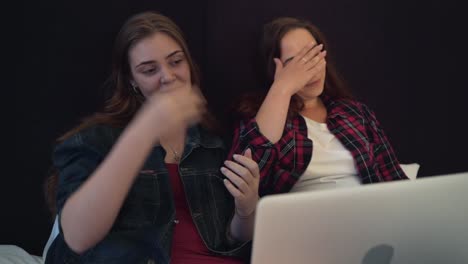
(155, 47)
(294, 40)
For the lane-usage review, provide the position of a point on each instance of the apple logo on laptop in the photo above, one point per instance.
(380, 254)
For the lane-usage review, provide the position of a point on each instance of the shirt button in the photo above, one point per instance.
(176, 221)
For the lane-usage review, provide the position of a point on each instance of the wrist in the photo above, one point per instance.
(144, 124)
(243, 215)
(281, 89)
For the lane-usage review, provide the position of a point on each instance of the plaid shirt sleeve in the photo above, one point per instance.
(279, 167)
(385, 157)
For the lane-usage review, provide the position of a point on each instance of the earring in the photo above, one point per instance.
(138, 94)
(135, 89)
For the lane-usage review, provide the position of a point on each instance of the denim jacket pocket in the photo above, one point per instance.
(141, 207)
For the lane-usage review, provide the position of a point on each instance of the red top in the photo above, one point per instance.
(187, 245)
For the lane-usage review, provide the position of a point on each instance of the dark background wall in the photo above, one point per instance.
(405, 59)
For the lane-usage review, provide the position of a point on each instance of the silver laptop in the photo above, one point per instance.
(424, 221)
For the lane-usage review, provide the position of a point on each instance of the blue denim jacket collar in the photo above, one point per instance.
(195, 138)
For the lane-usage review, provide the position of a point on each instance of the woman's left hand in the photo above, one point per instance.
(242, 182)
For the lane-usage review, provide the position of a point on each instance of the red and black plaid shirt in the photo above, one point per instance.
(353, 123)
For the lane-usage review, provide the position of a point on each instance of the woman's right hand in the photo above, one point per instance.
(306, 65)
(174, 110)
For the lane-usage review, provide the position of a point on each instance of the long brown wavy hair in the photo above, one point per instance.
(124, 102)
(270, 48)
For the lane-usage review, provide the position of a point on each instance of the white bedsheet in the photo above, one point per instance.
(11, 254)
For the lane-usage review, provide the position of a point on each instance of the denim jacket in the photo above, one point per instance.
(142, 232)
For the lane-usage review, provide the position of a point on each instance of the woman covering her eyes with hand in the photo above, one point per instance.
(304, 128)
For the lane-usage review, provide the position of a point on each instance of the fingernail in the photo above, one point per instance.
(235, 156)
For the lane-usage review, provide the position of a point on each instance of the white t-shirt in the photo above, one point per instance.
(332, 165)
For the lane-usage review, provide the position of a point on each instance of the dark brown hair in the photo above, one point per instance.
(270, 48)
(124, 102)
